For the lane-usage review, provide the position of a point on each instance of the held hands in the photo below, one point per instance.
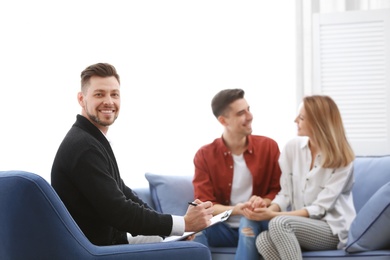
(252, 203)
(198, 217)
(256, 209)
(257, 202)
(259, 214)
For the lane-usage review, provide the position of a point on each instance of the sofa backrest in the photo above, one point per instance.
(170, 193)
(371, 173)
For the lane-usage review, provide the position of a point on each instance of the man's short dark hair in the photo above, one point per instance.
(98, 69)
(222, 100)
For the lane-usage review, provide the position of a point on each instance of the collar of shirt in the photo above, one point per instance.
(222, 146)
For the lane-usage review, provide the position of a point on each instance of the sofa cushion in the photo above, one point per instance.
(170, 193)
(371, 172)
(369, 230)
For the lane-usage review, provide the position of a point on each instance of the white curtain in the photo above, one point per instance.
(309, 76)
(304, 12)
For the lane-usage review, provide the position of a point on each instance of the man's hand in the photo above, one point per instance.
(253, 203)
(198, 217)
(257, 202)
(259, 214)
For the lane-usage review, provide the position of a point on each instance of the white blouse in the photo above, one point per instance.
(325, 193)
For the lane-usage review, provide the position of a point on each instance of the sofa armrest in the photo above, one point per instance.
(188, 250)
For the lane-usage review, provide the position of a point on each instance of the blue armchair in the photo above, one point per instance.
(34, 224)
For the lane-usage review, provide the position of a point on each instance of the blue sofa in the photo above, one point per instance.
(369, 236)
(34, 224)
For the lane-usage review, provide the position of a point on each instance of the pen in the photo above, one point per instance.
(192, 203)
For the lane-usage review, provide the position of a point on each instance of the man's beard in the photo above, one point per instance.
(98, 121)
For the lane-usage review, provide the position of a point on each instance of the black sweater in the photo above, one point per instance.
(85, 175)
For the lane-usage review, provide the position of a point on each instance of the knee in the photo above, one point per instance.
(248, 228)
(247, 232)
(279, 223)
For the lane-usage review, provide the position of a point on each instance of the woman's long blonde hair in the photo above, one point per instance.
(327, 130)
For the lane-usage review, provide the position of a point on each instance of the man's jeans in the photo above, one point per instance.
(222, 235)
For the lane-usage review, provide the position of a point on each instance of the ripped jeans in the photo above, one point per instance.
(248, 232)
(222, 235)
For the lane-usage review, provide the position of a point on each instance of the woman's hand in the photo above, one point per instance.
(251, 204)
(259, 214)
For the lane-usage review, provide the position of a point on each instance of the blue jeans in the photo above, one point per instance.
(248, 231)
(222, 235)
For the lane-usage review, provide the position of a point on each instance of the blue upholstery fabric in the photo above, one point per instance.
(370, 229)
(144, 194)
(34, 224)
(171, 194)
(371, 173)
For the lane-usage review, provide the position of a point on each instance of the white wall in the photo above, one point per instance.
(173, 56)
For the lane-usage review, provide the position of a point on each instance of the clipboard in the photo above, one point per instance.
(221, 217)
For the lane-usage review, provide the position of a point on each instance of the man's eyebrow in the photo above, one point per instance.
(240, 112)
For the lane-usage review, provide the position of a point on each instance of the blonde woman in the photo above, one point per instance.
(314, 209)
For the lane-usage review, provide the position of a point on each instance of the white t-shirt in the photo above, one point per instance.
(241, 187)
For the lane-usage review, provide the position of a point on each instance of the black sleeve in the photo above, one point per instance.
(92, 174)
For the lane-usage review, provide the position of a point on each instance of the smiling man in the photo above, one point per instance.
(86, 176)
(234, 169)
(100, 100)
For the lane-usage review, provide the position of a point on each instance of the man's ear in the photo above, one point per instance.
(80, 98)
(222, 120)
